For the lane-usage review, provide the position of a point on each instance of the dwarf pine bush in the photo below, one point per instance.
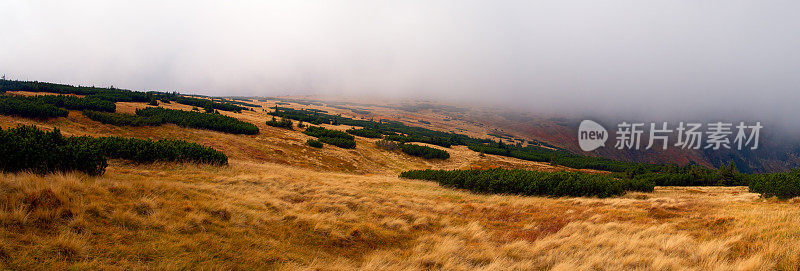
(283, 123)
(424, 151)
(783, 185)
(532, 183)
(13, 106)
(28, 148)
(314, 143)
(121, 119)
(193, 119)
(337, 138)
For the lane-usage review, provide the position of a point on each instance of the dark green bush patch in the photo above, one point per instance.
(10, 105)
(783, 185)
(193, 119)
(314, 143)
(339, 142)
(120, 119)
(283, 123)
(28, 148)
(337, 138)
(532, 183)
(424, 151)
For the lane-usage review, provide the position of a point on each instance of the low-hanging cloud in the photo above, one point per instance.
(663, 58)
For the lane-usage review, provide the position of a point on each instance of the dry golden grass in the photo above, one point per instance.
(283, 205)
(262, 216)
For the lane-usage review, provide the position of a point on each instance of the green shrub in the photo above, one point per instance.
(148, 151)
(339, 142)
(193, 119)
(209, 104)
(10, 105)
(76, 103)
(424, 151)
(284, 123)
(337, 138)
(314, 143)
(782, 185)
(120, 119)
(386, 127)
(692, 175)
(317, 131)
(109, 94)
(28, 148)
(365, 132)
(532, 183)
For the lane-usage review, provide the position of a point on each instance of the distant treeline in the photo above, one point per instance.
(50, 106)
(26, 148)
(561, 157)
(114, 95)
(532, 183)
(401, 131)
(241, 102)
(693, 175)
(109, 94)
(397, 131)
(209, 104)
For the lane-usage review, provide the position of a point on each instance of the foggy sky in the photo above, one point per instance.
(691, 58)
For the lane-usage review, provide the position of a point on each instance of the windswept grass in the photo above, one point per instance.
(266, 216)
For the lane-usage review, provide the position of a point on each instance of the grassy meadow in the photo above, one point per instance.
(281, 204)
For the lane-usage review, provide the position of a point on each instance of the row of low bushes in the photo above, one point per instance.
(215, 122)
(283, 123)
(314, 143)
(28, 148)
(783, 185)
(337, 138)
(206, 103)
(339, 142)
(560, 157)
(386, 127)
(694, 179)
(109, 94)
(532, 183)
(74, 103)
(112, 94)
(50, 106)
(424, 151)
(364, 132)
(13, 106)
(155, 116)
(146, 151)
(438, 141)
(317, 131)
(123, 119)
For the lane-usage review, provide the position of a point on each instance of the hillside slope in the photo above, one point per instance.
(280, 204)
